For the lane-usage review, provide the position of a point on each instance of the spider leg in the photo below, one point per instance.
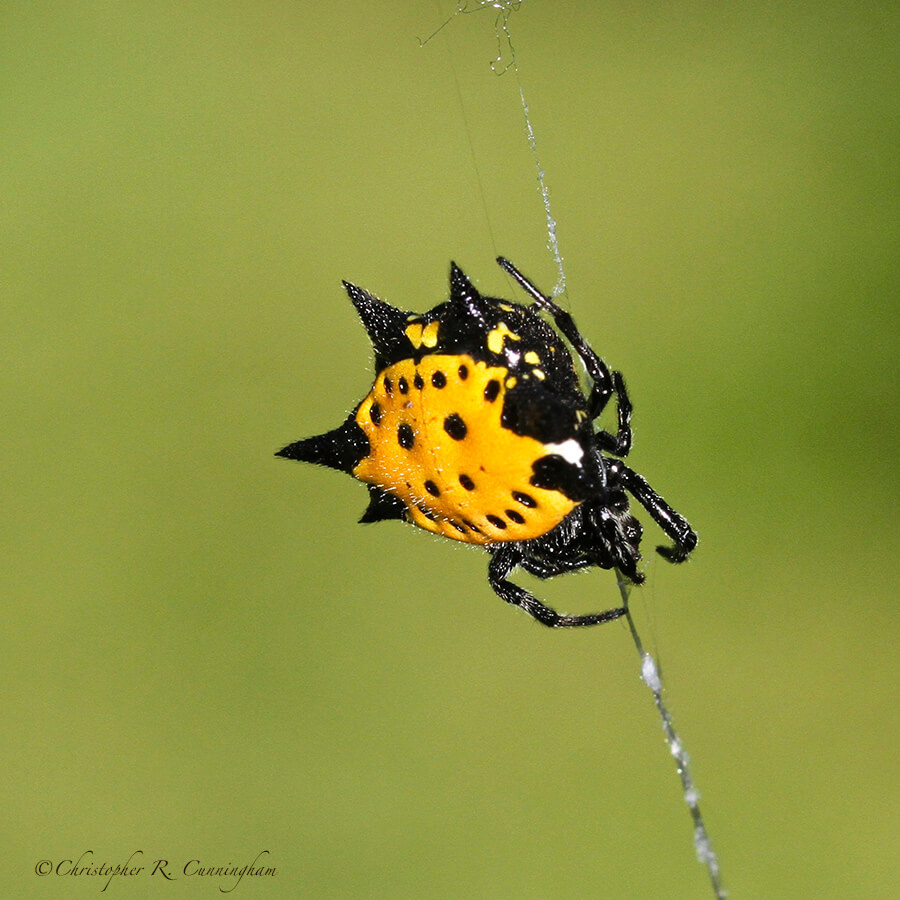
(605, 383)
(672, 523)
(618, 444)
(504, 560)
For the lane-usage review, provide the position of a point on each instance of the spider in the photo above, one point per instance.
(477, 429)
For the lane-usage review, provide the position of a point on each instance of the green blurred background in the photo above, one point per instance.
(204, 656)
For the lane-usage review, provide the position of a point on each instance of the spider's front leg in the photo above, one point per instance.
(504, 560)
(672, 523)
(605, 383)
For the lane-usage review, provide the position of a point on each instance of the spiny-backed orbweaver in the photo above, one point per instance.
(477, 429)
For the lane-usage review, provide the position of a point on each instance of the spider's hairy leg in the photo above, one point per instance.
(619, 443)
(504, 560)
(672, 523)
(605, 383)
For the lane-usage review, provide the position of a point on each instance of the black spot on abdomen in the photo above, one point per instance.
(455, 427)
(553, 473)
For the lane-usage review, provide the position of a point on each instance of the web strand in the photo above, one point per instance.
(552, 239)
(503, 62)
(650, 675)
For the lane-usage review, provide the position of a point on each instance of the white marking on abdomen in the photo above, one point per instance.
(570, 450)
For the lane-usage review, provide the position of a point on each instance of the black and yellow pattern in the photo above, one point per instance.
(476, 429)
(437, 442)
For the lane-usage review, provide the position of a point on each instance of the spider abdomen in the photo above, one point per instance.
(438, 443)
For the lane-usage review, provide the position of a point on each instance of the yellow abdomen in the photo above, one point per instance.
(437, 443)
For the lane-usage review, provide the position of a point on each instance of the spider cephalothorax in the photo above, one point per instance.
(477, 429)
